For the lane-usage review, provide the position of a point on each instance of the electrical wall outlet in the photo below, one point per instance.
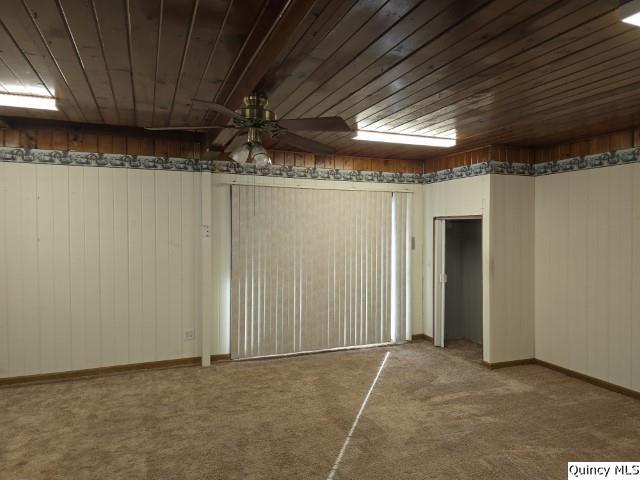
(189, 334)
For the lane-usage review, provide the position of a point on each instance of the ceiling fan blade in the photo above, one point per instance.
(194, 127)
(305, 144)
(220, 109)
(234, 142)
(320, 124)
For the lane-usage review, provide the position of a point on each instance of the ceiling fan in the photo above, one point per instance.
(255, 119)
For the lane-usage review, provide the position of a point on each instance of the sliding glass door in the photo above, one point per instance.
(317, 269)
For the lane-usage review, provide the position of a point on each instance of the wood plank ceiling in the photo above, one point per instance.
(513, 72)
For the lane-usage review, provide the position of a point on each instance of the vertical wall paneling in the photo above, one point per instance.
(92, 247)
(149, 267)
(103, 266)
(204, 234)
(175, 247)
(4, 275)
(634, 338)
(164, 295)
(620, 231)
(576, 215)
(121, 297)
(189, 204)
(135, 270)
(512, 264)
(77, 271)
(586, 275)
(14, 282)
(29, 267)
(598, 273)
(62, 270)
(45, 259)
(83, 251)
(109, 336)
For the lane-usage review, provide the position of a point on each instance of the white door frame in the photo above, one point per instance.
(440, 274)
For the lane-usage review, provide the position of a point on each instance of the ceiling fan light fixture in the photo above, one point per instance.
(389, 137)
(251, 152)
(630, 12)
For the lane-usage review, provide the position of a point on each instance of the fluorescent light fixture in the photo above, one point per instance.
(389, 137)
(630, 12)
(28, 101)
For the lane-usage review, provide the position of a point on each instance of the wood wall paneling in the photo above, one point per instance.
(496, 72)
(99, 267)
(586, 316)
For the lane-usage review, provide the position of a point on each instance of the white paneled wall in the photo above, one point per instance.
(98, 267)
(587, 272)
(506, 204)
(464, 197)
(511, 267)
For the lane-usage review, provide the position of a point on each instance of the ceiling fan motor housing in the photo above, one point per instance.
(255, 108)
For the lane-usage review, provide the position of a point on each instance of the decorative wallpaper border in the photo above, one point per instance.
(586, 162)
(93, 159)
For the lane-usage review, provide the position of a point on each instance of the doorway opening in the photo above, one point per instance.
(458, 313)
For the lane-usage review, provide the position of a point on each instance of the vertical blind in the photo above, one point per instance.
(317, 269)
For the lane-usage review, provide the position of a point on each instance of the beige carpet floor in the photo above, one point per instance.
(433, 414)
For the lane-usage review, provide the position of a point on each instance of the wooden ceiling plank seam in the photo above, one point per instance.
(400, 129)
(506, 45)
(580, 130)
(258, 51)
(550, 97)
(326, 104)
(226, 137)
(287, 19)
(348, 25)
(131, 63)
(26, 59)
(112, 18)
(157, 72)
(300, 65)
(346, 51)
(206, 30)
(79, 58)
(104, 57)
(554, 134)
(246, 42)
(240, 21)
(480, 31)
(554, 76)
(184, 56)
(176, 30)
(13, 73)
(517, 93)
(53, 59)
(471, 78)
(212, 53)
(449, 21)
(31, 66)
(403, 23)
(300, 42)
(576, 106)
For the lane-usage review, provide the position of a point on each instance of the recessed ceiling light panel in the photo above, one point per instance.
(389, 137)
(28, 101)
(630, 12)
